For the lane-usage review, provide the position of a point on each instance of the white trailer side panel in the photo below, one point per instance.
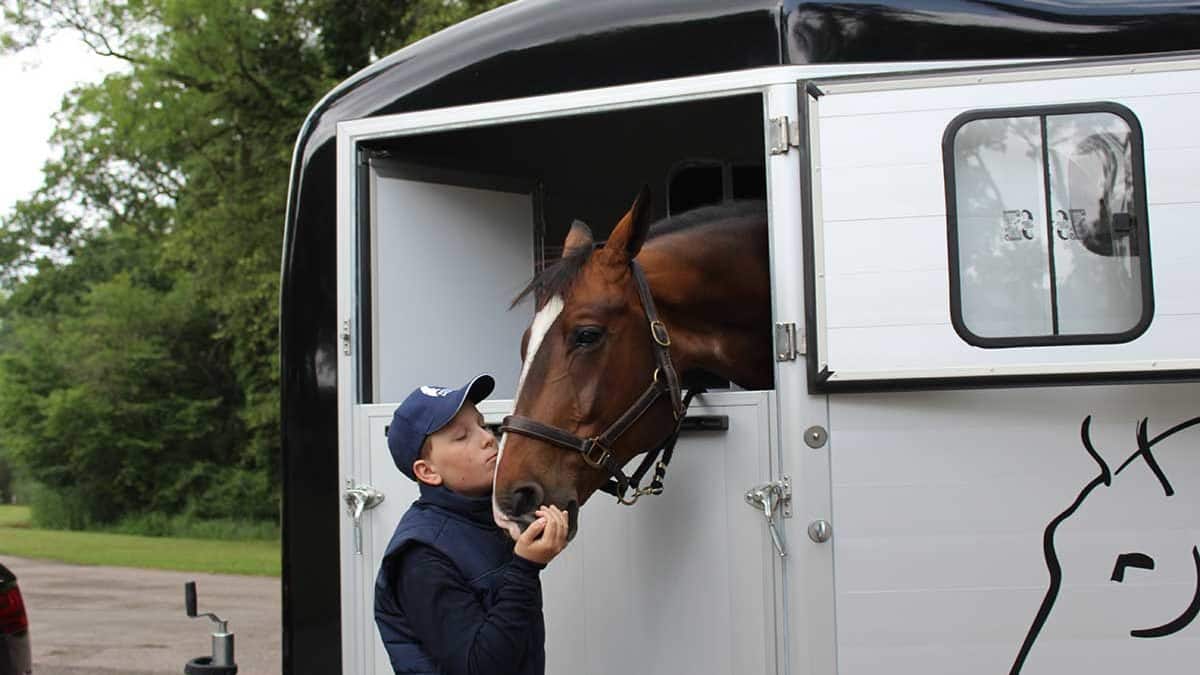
(942, 504)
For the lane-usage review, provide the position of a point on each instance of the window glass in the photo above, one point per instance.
(1002, 248)
(1045, 226)
(1098, 277)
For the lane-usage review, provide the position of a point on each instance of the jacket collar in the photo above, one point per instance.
(476, 509)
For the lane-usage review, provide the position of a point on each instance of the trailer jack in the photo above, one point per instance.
(221, 662)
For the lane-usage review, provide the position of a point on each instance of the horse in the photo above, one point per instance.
(1106, 555)
(616, 330)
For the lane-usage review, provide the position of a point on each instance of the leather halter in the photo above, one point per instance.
(597, 450)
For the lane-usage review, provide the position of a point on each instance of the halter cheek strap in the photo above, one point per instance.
(597, 450)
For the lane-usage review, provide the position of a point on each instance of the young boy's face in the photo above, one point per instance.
(462, 455)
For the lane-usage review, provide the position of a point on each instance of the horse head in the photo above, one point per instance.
(587, 353)
(600, 377)
(1111, 569)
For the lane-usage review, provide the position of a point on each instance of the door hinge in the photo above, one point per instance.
(789, 342)
(346, 337)
(782, 134)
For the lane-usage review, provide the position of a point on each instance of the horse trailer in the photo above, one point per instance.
(980, 451)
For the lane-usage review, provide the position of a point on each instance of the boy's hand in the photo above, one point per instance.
(546, 537)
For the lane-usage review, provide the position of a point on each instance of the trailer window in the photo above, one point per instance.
(695, 183)
(1047, 226)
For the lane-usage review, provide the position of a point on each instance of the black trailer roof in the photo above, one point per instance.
(543, 46)
(533, 47)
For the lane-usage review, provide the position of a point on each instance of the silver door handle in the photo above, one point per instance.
(360, 498)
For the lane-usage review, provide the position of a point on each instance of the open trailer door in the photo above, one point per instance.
(444, 216)
(432, 267)
(982, 229)
(996, 225)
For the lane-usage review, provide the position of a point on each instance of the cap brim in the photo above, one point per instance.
(474, 391)
(479, 388)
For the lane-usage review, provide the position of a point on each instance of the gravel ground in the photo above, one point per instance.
(101, 620)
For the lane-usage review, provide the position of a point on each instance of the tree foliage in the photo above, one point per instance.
(139, 283)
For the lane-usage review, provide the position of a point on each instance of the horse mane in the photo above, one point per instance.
(558, 276)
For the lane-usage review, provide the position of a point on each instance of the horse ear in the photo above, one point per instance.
(629, 234)
(1085, 435)
(580, 237)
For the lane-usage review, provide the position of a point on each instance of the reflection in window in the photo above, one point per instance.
(1096, 252)
(1046, 227)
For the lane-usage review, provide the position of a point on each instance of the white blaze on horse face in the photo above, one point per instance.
(537, 332)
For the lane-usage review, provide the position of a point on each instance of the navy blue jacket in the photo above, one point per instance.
(451, 598)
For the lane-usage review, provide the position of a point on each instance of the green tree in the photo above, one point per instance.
(139, 283)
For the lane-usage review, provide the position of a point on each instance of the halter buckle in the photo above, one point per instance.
(630, 500)
(658, 331)
(599, 462)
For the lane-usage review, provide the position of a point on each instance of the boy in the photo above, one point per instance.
(453, 595)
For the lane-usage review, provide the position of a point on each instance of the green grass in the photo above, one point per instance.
(14, 516)
(184, 527)
(261, 558)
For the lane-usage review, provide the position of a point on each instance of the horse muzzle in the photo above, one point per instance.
(516, 510)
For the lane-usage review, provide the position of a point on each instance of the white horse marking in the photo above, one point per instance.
(537, 332)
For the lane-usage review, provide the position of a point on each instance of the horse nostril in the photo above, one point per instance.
(526, 498)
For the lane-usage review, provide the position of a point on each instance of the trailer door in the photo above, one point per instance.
(998, 225)
(683, 584)
(438, 256)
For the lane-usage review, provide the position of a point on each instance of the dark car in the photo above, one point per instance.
(15, 655)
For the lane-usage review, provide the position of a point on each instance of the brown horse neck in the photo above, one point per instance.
(712, 287)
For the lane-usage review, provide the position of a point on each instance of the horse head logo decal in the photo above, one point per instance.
(1126, 504)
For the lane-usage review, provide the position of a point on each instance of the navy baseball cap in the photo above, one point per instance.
(426, 410)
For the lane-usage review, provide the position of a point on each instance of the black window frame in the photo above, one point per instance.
(1142, 226)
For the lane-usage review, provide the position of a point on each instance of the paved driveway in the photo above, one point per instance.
(108, 620)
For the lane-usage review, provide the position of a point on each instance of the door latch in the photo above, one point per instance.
(360, 498)
(774, 499)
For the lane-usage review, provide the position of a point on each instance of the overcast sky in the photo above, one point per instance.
(34, 82)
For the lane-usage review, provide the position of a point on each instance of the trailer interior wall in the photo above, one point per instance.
(459, 221)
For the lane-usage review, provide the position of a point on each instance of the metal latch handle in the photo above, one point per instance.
(773, 498)
(360, 498)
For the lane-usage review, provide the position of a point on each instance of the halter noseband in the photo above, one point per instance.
(597, 450)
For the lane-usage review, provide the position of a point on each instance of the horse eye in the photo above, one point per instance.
(586, 336)
(1139, 560)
